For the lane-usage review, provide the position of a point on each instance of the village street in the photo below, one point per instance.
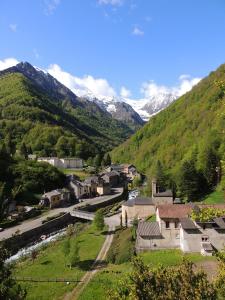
(33, 223)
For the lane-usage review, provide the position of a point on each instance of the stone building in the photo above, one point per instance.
(175, 229)
(51, 199)
(112, 178)
(67, 163)
(141, 207)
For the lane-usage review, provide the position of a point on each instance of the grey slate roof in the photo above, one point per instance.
(52, 193)
(139, 201)
(148, 229)
(187, 223)
(220, 222)
(143, 201)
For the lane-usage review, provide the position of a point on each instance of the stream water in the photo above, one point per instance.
(39, 244)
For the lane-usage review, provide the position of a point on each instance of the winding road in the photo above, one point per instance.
(33, 223)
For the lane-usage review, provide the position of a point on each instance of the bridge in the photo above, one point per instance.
(82, 214)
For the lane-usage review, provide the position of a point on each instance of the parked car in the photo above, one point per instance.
(1, 229)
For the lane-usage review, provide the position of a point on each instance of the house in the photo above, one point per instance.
(79, 188)
(141, 208)
(112, 178)
(51, 199)
(67, 163)
(174, 228)
(103, 188)
(92, 183)
(114, 167)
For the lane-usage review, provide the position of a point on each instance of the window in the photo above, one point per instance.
(205, 238)
(167, 224)
(177, 236)
(176, 224)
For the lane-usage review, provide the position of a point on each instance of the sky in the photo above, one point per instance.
(128, 48)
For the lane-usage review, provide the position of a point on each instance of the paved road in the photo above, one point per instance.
(112, 222)
(29, 224)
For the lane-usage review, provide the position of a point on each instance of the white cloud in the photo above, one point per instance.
(50, 6)
(137, 31)
(124, 92)
(151, 89)
(83, 86)
(111, 2)
(13, 27)
(7, 63)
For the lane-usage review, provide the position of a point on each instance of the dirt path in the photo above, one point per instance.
(209, 267)
(98, 263)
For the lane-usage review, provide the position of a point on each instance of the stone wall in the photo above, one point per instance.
(137, 211)
(19, 241)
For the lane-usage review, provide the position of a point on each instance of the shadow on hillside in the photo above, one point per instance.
(87, 265)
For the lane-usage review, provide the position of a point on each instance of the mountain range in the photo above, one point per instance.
(40, 111)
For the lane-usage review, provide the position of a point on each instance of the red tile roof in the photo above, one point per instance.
(177, 211)
(174, 211)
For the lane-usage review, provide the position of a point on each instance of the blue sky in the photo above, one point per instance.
(127, 43)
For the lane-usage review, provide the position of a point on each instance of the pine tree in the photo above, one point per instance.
(10, 146)
(189, 180)
(160, 175)
(74, 255)
(23, 150)
(66, 248)
(107, 159)
(97, 161)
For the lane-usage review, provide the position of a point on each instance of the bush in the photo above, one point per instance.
(53, 217)
(8, 223)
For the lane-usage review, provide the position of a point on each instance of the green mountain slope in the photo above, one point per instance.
(193, 125)
(51, 126)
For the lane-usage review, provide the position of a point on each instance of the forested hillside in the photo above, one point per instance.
(54, 126)
(187, 138)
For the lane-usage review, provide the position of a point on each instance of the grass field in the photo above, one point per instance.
(215, 198)
(108, 278)
(82, 174)
(50, 263)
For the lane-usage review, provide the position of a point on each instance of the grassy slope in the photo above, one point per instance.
(107, 279)
(215, 197)
(79, 173)
(50, 263)
(171, 135)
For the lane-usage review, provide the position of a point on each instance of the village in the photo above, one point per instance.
(162, 221)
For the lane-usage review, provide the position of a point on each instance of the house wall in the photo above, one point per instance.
(162, 200)
(55, 201)
(150, 243)
(103, 190)
(63, 162)
(71, 163)
(190, 240)
(137, 211)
